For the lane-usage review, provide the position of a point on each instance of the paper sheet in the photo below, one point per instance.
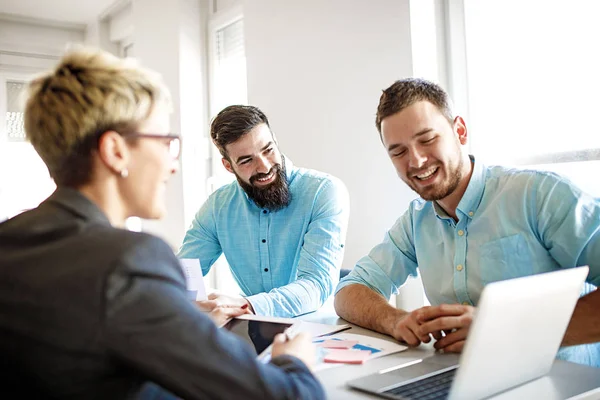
(194, 279)
(378, 347)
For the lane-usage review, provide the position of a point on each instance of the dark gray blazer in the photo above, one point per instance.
(91, 311)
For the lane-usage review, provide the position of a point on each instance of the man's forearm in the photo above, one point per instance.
(364, 307)
(585, 322)
(299, 297)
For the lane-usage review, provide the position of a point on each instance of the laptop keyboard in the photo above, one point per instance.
(431, 388)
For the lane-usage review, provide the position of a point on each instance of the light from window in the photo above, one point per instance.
(24, 178)
(229, 78)
(14, 111)
(533, 85)
(533, 77)
(228, 87)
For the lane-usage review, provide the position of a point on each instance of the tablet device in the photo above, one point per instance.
(258, 333)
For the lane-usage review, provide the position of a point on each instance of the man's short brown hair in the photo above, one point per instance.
(87, 94)
(406, 92)
(233, 122)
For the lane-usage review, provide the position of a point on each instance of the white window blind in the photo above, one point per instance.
(229, 78)
(14, 111)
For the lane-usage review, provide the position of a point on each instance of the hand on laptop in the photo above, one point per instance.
(300, 346)
(223, 300)
(454, 320)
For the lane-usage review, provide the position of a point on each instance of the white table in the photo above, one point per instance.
(565, 380)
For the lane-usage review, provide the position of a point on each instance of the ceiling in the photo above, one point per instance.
(71, 11)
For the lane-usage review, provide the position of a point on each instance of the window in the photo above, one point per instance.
(227, 75)
(19, 162)
(532, 84)
(229, 67)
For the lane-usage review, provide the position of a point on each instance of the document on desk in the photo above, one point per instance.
(194, 279)
(360, 344)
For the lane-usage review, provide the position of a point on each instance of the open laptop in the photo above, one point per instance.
(517, 330)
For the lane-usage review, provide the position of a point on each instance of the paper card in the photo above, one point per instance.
(377, 347)
(194, 279)
(347, 356)
(338, 344)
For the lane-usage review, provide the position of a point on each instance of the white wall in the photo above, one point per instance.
(317, 69)
(170, 39)
(29, 47)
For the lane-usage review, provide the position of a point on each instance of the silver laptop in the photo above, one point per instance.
(517, 330)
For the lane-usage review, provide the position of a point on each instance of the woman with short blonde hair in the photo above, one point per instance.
(89, 310)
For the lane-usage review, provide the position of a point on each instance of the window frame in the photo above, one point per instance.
(217, 21)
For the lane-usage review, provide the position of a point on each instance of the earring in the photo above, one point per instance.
(124, 173)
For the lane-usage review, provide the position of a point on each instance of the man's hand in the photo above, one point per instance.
(221, 300)
(452, 319)
(220, 315)
(300, 347)
(407, 329)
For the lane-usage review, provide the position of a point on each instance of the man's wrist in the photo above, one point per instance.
(392, 321)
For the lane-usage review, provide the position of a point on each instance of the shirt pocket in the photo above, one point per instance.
(505, 258)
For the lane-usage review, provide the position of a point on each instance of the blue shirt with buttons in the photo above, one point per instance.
(511, 223)
(287, 262)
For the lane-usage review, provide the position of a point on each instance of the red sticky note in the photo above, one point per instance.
(347, 356)
(338, 344)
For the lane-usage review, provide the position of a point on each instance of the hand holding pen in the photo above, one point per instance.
(297, 345)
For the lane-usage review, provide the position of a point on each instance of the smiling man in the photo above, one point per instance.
(472, 225)
(282, 228)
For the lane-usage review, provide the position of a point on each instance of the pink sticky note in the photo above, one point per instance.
(338, 344)
(347, 356)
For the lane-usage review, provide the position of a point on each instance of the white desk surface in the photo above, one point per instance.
(565, 381)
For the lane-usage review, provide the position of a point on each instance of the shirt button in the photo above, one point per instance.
(266, 269)
(471, 213)
(459, 267)
(465, 303)
(461, 232)
(264, 240)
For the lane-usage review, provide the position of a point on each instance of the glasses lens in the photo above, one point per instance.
(175, 148)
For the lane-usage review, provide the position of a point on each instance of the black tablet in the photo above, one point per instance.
(257, 332)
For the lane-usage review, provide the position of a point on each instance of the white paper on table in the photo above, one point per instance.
(378, 347)
(194, 279)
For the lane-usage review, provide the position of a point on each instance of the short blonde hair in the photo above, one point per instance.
(89, 93)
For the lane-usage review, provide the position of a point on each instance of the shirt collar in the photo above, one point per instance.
(75, 202)
(472, 197)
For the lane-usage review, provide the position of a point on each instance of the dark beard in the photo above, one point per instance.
(273, 197)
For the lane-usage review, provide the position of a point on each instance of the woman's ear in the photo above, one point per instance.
(114, 152)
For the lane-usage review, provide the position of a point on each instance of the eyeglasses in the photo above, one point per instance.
(173, 139)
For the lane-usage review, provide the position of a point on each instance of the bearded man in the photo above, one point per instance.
(282, 228)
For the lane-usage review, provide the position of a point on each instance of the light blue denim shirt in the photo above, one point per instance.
(286, 262)
(511, 223)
